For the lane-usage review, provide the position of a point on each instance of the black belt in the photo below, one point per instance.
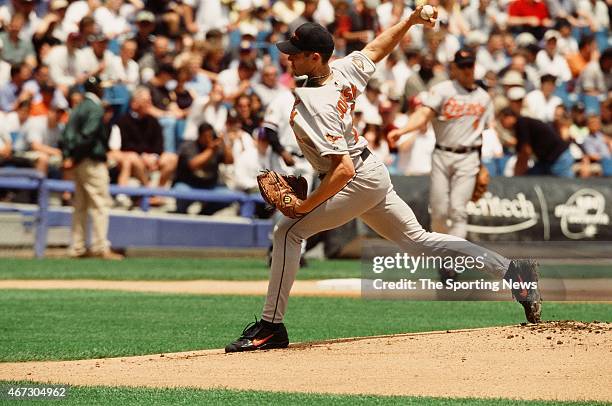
(459, 150)
(364, 155)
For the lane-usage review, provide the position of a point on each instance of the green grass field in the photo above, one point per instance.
(80, 324)
(219, 269)
(97, 395)
(55, 324)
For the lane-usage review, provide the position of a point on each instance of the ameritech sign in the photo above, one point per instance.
(527, 208)
(514, 214)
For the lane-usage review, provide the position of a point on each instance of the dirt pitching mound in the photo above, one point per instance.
(562, 360)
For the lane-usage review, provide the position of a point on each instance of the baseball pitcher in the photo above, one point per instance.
(354, 183)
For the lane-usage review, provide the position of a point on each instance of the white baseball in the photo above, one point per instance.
(427, 12)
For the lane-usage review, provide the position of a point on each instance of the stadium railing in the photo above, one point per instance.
(29, 179)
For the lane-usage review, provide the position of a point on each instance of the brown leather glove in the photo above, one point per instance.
(285, 192)
(482, 183)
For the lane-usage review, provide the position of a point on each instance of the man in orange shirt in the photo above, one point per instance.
(578, 61)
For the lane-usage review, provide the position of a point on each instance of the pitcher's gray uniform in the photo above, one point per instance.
(323, 125)
(461, 116)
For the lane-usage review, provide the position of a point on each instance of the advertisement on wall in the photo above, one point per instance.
(528, 208)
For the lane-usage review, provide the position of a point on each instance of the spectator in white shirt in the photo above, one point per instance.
(443, 44)
(541, 103)
(550, 61)
(269, 88)
(250, 158)
(393, 72)
(209, 109)
(128, 69)
(595, 14)
(492, 57)
(414, 151)
(369, 101)
(566, 43)
(98, 60)
(110, 20)
(63, 63)
(287, 10)
(377, 142)
(42, 136)
(237, 81)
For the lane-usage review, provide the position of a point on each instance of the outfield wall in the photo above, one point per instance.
(537, 211)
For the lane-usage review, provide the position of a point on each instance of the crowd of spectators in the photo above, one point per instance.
(188, 82)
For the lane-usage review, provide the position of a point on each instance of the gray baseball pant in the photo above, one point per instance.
(453, 177)
(369, 196)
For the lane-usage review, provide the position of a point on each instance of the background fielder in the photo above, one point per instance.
(459, 111)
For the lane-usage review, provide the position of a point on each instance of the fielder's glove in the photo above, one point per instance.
(284, 192)
(482, 183)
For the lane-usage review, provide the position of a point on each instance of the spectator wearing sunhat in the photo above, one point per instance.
(145, 27)
(524, 39)
(516, 95)
(549, 60)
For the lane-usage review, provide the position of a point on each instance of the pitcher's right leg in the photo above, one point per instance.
(394, 220)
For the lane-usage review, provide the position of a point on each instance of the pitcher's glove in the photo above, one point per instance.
(482, 183)
(285, 192)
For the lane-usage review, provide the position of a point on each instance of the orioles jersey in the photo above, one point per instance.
(322, 119)
(461, 114)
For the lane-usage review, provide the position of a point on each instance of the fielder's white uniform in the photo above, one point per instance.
(461, 116)
(276, 118)
(322, 122)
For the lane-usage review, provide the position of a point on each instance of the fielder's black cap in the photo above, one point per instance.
(465, 57)
(309, 37)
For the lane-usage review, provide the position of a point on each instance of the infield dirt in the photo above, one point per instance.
(560, 360)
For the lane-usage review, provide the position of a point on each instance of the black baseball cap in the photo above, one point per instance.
(310, 37)
(464, 57)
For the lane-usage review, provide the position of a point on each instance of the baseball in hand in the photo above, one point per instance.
(427, 12)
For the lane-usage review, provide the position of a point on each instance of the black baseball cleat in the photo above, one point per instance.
(260, 335)
(525, 271)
